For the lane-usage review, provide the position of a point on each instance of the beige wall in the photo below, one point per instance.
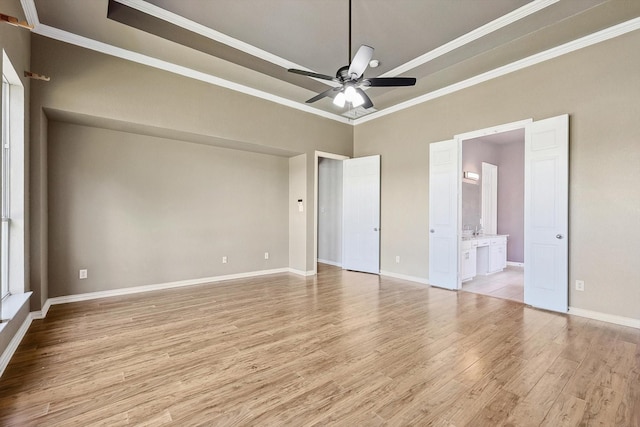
(599, 87)
(138, 210)
(298, 220)
(89, 87)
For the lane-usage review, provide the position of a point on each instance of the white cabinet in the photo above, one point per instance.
(483, 262)
(468, 261)
(497, 254)
(482, 256)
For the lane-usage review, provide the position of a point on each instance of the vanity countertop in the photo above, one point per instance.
(483, 236)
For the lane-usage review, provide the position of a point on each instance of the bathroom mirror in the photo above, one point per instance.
(471, 206)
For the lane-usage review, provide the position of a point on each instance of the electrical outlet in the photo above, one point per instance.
(579, 285)
(224, 259)
(83, 274)
(397, 259)
(266, 255)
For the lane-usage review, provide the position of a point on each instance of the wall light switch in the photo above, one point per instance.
(83, 274)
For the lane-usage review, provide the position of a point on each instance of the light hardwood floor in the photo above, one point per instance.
(341, 349)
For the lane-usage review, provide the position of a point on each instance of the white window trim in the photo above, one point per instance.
(16, 268)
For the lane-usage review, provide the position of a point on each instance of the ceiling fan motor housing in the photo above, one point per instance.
(343, 74)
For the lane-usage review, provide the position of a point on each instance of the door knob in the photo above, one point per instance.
(375, 229)
(432, 231)
(559, 236)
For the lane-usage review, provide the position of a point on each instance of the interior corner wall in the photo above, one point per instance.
(121, 91)
(597, 86)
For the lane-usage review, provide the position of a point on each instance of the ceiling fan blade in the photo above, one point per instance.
(311, 74)
(331, 93)
(367, 101)
(389, 81)
(360, 61)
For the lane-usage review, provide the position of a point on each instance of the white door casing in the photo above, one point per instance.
(361, 214)
(546, 213)
(444, 183)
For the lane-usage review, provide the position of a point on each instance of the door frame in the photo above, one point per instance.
(521, 124)
(316, 161)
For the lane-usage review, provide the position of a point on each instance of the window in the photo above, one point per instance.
(4, 198)
(12, 194)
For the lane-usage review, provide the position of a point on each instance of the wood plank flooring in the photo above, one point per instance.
(342, 348)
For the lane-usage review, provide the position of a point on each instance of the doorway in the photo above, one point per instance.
(347, 225)
(546, 173)
(493, 205)
(329, 211)
(328, 217)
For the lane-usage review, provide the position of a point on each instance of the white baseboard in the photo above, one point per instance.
(611, 318)
(155, 287)
(8, 352)
(515, 264)
(404, 277)
(300, 272)
(325, 261)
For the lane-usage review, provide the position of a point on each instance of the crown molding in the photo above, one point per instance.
(589, 40)
(471, 36)
(74, 39)
(572, 46)
(118, 52)
(30, 12)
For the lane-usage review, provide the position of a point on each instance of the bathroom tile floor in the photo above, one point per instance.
(508, 284)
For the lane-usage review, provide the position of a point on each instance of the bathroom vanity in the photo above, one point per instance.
(483, 255)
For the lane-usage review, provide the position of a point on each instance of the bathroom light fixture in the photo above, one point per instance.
(471, 175)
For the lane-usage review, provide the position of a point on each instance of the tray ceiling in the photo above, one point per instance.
(247, 45)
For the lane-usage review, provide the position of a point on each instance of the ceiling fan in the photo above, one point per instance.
(351, 79)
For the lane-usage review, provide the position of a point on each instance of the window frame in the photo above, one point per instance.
(15, 251)
(5, 188)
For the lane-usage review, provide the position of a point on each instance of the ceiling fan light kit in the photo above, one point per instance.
(350, 95)
(351, 79)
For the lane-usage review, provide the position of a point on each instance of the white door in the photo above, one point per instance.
(443, 214)
(361, 214)
(489, 198)
(546, 213)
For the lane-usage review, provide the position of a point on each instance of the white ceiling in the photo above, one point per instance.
(247, 45)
